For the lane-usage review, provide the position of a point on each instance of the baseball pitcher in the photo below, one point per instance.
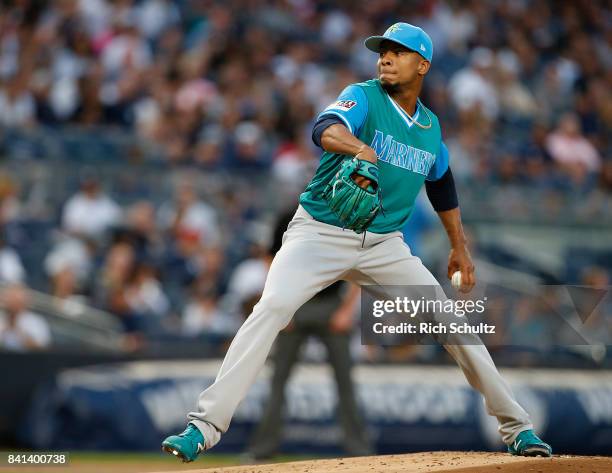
(381, 145)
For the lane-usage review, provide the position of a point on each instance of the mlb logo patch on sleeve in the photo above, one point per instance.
(344, 105)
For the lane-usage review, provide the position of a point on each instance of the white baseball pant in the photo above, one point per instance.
(313, 256)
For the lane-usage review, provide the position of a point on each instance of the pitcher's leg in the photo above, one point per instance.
(391, 263)
(480, 371)
(301, 268)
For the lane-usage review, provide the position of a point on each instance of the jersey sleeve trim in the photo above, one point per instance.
(336, 114)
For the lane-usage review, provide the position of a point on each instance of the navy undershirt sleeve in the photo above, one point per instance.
(442, 193)
(324, 122)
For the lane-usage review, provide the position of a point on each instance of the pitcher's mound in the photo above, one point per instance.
(456, 462)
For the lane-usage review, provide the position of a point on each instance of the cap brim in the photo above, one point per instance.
(373, 43)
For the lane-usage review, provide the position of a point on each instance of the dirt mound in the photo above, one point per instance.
(455, 462)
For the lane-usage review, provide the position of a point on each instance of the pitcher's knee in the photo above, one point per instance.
(280, 308)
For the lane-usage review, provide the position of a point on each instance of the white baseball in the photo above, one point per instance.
(456, 279)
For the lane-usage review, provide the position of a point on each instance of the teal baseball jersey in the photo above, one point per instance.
(407, 153)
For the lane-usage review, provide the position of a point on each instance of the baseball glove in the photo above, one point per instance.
(354, 206)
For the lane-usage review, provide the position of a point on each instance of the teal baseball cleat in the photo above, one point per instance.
(187, 445)
(528, 444)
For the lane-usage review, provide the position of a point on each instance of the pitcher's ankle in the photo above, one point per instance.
(211, 434)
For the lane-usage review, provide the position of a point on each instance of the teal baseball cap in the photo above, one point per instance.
(409, 36)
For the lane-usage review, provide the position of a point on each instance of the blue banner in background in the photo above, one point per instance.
(133, 406)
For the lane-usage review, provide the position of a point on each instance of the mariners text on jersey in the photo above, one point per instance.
(399, 154)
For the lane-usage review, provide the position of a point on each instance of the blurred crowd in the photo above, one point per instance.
(111, 257)
(522, 89)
